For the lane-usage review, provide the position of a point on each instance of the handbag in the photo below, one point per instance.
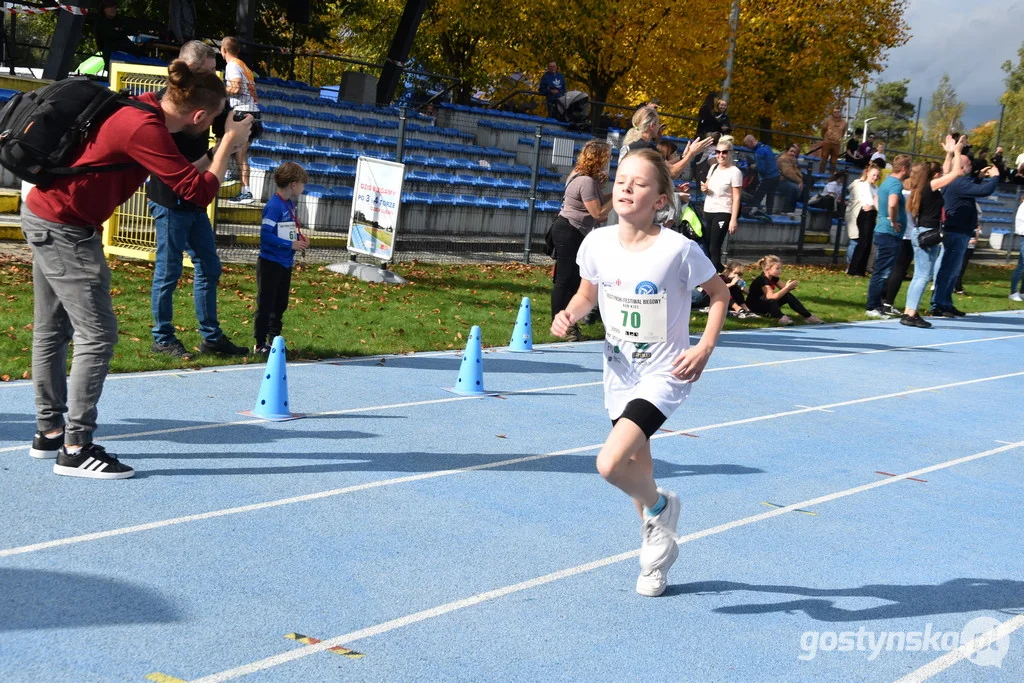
(932, 237)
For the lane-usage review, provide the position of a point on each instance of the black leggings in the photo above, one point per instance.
(866, 233)
(273, 283)
(716, 228)
(736, 294)
(899, 271)
(773, 307)
(567, 241)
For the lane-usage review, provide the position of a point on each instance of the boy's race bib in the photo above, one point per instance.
(286, 231)
(638, 318)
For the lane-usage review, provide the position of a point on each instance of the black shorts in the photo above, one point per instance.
(644, 415)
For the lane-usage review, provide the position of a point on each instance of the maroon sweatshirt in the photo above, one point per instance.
(129, 134)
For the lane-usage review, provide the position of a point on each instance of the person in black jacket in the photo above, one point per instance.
(183, 226)
(109, 34)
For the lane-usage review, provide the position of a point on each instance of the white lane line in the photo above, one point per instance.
(71, 540)
(393, 406)
(964, 651)
(416, 617)
(818, 409)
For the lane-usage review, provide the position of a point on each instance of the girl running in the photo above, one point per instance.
(642, 276)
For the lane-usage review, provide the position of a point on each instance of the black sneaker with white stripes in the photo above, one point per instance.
(92, 462)
(44, 447)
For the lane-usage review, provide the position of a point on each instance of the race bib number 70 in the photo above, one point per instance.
(638, 318)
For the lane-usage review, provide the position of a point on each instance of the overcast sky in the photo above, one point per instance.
(969, 40)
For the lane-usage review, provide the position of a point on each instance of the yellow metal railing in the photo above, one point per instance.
(131, 231)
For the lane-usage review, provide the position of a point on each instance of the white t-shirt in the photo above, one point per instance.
(242, 101)
(1018, 221)
(1020, 159)
(720, 183)
(668, 269)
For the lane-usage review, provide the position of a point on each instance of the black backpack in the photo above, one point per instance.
(42, 132)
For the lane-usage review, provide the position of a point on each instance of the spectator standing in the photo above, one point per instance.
(867, 148)
(646, 133)
(767, 173)
(853, 155)
(1017, 279)
(280, 237)
(183, 226)
(723, 190)
(999, 161)
(879, 154)
(861, 215)
(833, 130)
(109, 34)
(901, 265)
(960, 224)
(713, 117)
(889, 227)
(925, 205)
(552, 86)
(583, 208)
(791, 186)
(62, 224)
(241, 87)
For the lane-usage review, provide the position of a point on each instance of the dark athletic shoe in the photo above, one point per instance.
(940, 313)
(92, 462)
(261, 349)
(174, 349)
(914, 321)
(223, 346)
(43, 447)
(956, 312)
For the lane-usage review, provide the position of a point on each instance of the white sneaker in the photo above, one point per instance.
(874, 313)
(1016, 297)
(659, 549)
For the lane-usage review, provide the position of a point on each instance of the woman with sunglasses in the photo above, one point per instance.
(723, 188)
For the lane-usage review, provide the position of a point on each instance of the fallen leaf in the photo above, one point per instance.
(501, 436)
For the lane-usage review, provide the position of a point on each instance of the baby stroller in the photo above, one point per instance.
(574, 109)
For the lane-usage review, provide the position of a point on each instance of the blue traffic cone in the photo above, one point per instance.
(522, 334)
(272, 402)
(471, 372)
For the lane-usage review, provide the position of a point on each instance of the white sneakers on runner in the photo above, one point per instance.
(659, 549)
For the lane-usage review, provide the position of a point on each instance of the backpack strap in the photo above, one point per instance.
(123, 100)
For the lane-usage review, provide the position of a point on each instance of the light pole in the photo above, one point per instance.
(734, 25)
(865, 139)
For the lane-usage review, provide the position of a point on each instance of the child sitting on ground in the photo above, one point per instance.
(767, 296)
(280, 237)
(732, 276)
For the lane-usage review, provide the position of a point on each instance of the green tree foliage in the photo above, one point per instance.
(893, 115)
(1012, 134)
(944, 117)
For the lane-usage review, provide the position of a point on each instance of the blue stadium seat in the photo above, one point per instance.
(262, 164)
(443, 198)
(491, 202)
(507, 183)
(342, 192)
(345, 153)
(443, 177)
(523, 184)
(419, 176)
(466, 200)
(261, 145)
(321, 169)
(345, 171)
(417, 198)
(486, 181)
(465, 179)
(315, 190)
(517, 204)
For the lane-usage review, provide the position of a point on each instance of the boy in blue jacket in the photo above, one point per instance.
(280, 237)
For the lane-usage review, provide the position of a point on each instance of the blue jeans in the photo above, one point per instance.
(887, 248)
(789, 193)
(924, 264)
(850, 248)
(180, 231)
(954, 247)
(1018, 273)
